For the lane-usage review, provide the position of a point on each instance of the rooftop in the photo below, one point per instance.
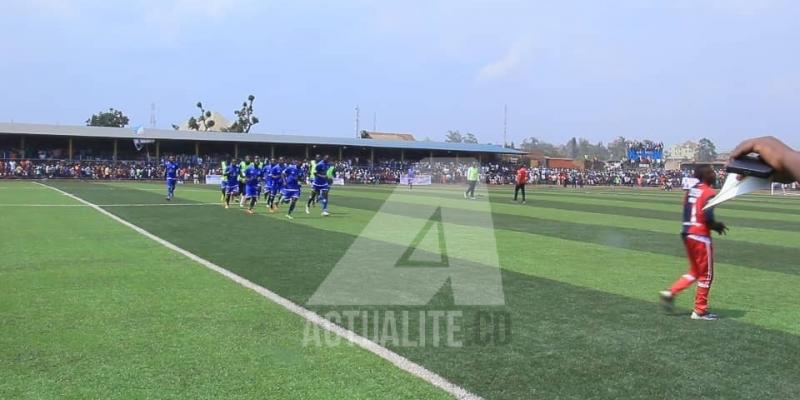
(169, 134)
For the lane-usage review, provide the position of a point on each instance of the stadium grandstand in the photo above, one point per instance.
(39, 141)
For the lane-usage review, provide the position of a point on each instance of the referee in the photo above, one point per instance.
(472, 180)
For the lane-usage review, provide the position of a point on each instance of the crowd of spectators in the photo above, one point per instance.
(647, 153)
(195, 169)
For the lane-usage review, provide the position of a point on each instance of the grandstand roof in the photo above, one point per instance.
(386, 135)
(169, 134)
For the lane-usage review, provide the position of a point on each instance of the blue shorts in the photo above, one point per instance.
(251, 191)
(232, 188)
(274, 189)
(290, 193)
(171, 182)
(321, 187)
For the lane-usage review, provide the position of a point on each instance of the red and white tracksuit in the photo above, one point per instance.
(699, 247)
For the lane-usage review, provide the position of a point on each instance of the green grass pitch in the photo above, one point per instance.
(91, 309)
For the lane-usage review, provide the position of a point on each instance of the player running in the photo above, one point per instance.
(275, 173)
(171, 176)
(321, 185)
(223, 182)
(411, 175)
(291, 187)
(252, 174)
(522, 179)
(243, 179)
(696, 233)
(312, 167)
(231, 182)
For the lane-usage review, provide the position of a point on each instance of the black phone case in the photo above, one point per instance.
(750, 166)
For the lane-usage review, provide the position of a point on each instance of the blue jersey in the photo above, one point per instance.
(275, 174)
(232, 174)
(171, 169)
(320, 173)
(265, 174)
(292, 180)
(251, 174)
(411, 173)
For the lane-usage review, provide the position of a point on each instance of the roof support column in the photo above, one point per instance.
(114, 154)
(306, 152)
(69, 149)
(340, 153)
(272, 151)
(402, 155)
(22, 146)
(431, 158)
(456, 157)
(158, 150)
(372, 157)
(196, 149)
(236, 150)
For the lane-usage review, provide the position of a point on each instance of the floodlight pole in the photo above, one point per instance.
(505, 125)
(358, 135)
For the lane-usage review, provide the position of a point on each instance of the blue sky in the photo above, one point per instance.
(666, 70)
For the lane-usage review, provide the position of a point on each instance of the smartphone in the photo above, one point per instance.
(750, 166)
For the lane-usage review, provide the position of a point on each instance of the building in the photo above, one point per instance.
(220, 123)
(685, 152)
(85, 142)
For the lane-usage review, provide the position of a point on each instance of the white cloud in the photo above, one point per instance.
(507, 64)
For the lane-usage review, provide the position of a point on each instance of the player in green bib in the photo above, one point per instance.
(242, 178)
(472, 180)
(312, 199)
(223, 168)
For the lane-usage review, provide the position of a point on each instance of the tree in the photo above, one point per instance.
(571, 148)
(533, 144)
(469, 138)
(111, 118)
(454, 137)
(618, 148)
(244, 117)
(706, 150)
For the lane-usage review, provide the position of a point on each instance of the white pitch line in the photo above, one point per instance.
(112, 205)
(388, 355)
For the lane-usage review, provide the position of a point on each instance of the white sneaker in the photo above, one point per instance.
(465, 195)
(667, 300)
(289, 216)
(308, 210)
(704, 317)
(325, 213)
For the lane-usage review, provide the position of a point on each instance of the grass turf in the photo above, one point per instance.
(91, 309)
(580, 269)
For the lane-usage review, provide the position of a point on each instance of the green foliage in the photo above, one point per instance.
(706, 150)
(470, 138)
(244, 117)
(618, 148)
(454, 137)
(111, 118)
(533, 145)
